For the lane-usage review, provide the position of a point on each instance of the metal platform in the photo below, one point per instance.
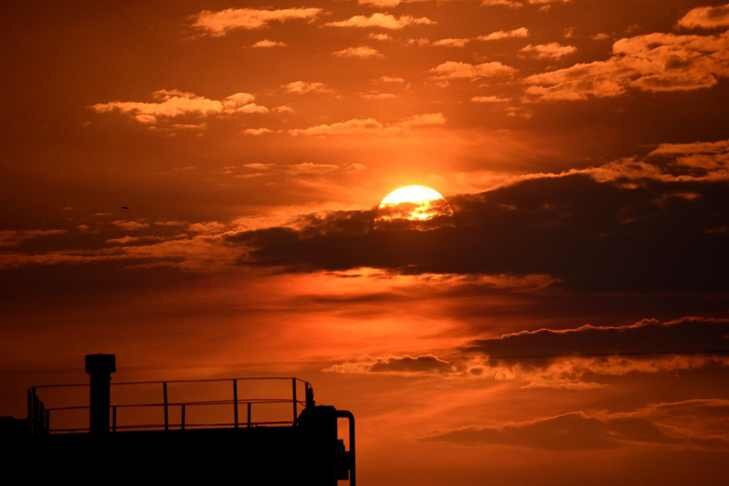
(269, 428)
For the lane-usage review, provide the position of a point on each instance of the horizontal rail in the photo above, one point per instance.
(216, 425)
(180, 404)
(43, 424)
(172, 382)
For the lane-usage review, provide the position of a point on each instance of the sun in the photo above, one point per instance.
(415, 203)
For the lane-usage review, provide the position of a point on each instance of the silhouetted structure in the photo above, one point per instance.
(303, 448)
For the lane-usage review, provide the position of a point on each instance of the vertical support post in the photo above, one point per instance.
(183, 409)
(235, 402)
(31, 410)
(40, 413)
(309, 391)
(249, 414)
(351, 455)
(113, 418)
(47, 422)
(99, 368)
(295, 402)
(164, 400)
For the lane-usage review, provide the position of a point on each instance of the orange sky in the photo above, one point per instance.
(569, 323)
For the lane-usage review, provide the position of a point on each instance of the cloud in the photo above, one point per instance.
(382, 21)
(380, 36)
(395, 365)
(219, 23)
(207, 227)
(422, 120)
(644, 338)
(391, 79)
(489, 99)
(578, 358)
(361, 126)
(266, 43)
(419, 42)
(552, 51)
(256, 132)
(716, 148)
(519, 33)
(199, 252)
(653, 63)
(170, 223)
(130, 225)
(171, 104)
(408, 364)
(596, 227)
(502, 3)
(354, 126)
(13, 238)
(687, 423)
(377, 96)
(282, 109)
(380, 3)
(306, 87)
(545, 4)
(130, 240)
(452, 42)
(359, 52)
(312, 168)
(453, 70)
(16, 260)
(699, 160)
(706, 18)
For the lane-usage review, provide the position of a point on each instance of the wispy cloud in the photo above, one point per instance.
(518, 33)
(12, 238)
(551, 51)
(453, 70)
(267, 44)
(706, 18)
(690, 423)
(359, 52)
(306, 87)
(170, 104)
(220, 22)
(382, 21)
(652, 63)
(360, 126)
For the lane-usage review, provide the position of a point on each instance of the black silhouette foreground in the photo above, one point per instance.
(301, 448)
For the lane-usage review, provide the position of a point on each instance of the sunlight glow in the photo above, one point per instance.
(414, 203)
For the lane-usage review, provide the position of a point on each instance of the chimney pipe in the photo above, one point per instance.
(100, 367)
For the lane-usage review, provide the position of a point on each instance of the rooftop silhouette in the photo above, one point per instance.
(172, 429)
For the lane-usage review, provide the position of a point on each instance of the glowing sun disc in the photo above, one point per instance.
(413, 203)
(411, 194)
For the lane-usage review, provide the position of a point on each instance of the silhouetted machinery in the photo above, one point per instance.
(176, 439)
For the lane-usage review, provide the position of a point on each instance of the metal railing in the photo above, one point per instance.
(41, 416)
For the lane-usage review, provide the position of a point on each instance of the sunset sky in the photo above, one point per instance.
(194, 186)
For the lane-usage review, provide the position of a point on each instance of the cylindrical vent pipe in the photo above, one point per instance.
(100, 367)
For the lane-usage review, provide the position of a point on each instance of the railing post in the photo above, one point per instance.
(31, 410)
(235, 402)
(249, 410)
(164, 399)
(113, 418)
(183, 408)
(293, 394)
